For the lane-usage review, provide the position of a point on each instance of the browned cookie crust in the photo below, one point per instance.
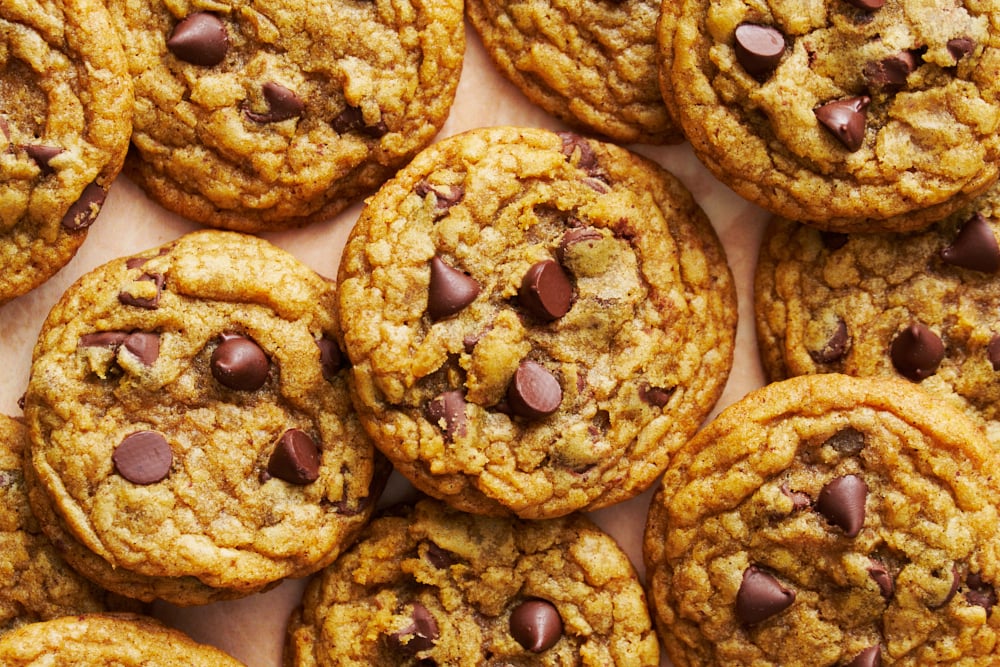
(535, 321)
(829, 520)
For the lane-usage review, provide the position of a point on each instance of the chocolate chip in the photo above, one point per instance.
(295, 458)
(889, 74)
(833, 240)
(84, 210)
(870, 657)
(239, 363)
(42, 155)
(546, 291)
(419, 635)
(867, 5)
(835, 348)
(351, 119)
(438, 557)
(143, 457)
(655, 396)
(149, 303)
(846, 119)
(916, 352)
(536, 625)
(109, 339)
(575, 236)
(847, 441)
(960, 47)
(449, 290)
(956, 582)
(761, 596)
(447, 412)
(200, 39)
(331, 360)
(975, 247)
(534, 392)
(800, 500)
(759, 48)
(842, 502)
(144, 346)
(445, 196)
(282, 104)
(980, 593)
(575, 147)
(883, 578)
(993, 352)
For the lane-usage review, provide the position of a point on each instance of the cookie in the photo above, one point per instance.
(535, 321)
(590, 63)
(849, 115)
(64, 129)
(95, 640)
(254, 116)
(192, 438)
(828, 520)
(427, 584)
(920, 306)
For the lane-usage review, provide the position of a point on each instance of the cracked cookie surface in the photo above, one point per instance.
(828, 520)
(535, 321)
(192, 436)
(851, 116)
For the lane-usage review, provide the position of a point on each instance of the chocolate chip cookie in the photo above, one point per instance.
(850, 115)
(192, 438)
(920, 306)
(591, 63)
(535, 321)
(96, 640)
(829, 520)
(430, 585)
(65, 119)
(262, 115)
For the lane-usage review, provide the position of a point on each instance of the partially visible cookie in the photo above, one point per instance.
(430, 585)
(535, 321)
(849, 115)
(921, 306)
(192, 438)
(591, 63)
(65, 120)
(829, 520)
(97, 640)
(254, 116)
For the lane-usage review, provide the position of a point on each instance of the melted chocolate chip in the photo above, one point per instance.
(84, 210)
(419, 635)
(800, 499)
(295, 458)
(575, 236)
(149, 303)
(331, 360)
(534, 392)
(449, 290)
(575, 147)
(993, 352)
(835, 348)
(200, 39)
(870, 657)
(351, 119)
(846, 119)
(759, 49)
(282, 104)
(890, 73)
(143, 346)
(109, 339)
(847, 441)
(546, 291)
(956, 582)
(960, 47)
(761, 596)
(42, 155)
(916, 352)
(438, 557)
(536, 625)
(143, 457)
(975, 247)
(980, 593)
(833, 240)
(239, 363)
(447, 412)
(655, 396)
(842, 502)
(445, 196)
(883, 578)
(867, 5)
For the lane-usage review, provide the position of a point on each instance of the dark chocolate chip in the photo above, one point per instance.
(84, 210)
(42, 155)
(956, 582)
(975, 247)
(761, 596)
(993, 352)
(916, 352)
(980, 593)
(295, 458)
(419, 635)
(759, 48)
(867, 5)
(870, 657)
(800, 499)
(143, 457)
(842, 502)
(960, 47)
(149, 303)
(144, 346)
(536, 625)
(282, 104)
(847, 441)
(575, 236)
(833, 240)
(331, 360)
(534, 392)
(655, 396)
(200, 39)
(239, 363)
(351, 119)
(835, 348)
(447, 412)
(546, 291)
(445, 196)
(438, 557)
(449, 290)
(846, 119)
(890, 73)
(109, 339)
(883, 578)
(576, 147)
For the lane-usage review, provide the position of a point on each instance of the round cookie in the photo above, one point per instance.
(590, 63)
(828, 520)
(431, 585)
(920, 306)
(255, 116)
(535, 321)
(96, 640)
(853, 116)
(191, 430)
(65, 121)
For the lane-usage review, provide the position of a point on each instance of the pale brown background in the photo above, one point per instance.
(252, 629)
